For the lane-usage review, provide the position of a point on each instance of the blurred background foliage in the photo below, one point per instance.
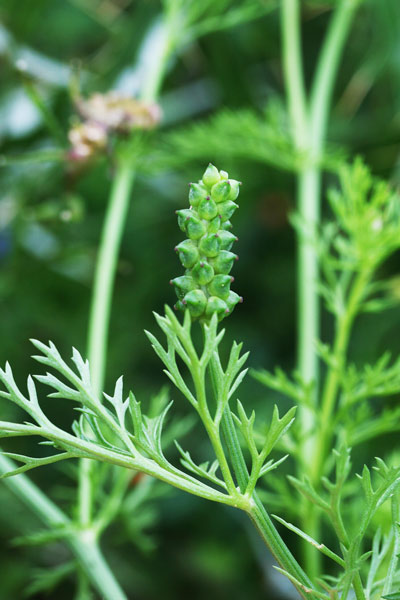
(222, 101)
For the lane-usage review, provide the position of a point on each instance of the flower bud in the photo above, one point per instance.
(232, 300)
(215, 305)
(226, 239)
(211, 176)
(179, 306)
(195, 228)
(227, 225)
(234, 192)
(226, 209)
(207, 209)
(188, 253)
(196, 302)
(202, 273)
(220, 191)
(210, 245)
(183, 217)
(215, 225)
(219, 286)
(223, 262)
(197, 192)
(183, 285)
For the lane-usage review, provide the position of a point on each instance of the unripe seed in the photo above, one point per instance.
(211, 176)
(219, 286)
(183, 285)
(226, 239)
(214, 225)
(210, 245)
(215, 305)
(224, 174)
(234, 192)
(183, 216)
(226, 225)
(196, 302)
(223, 262)
(232, 300)
(179, 306)
(202, 273)
(207, 209)
(188, 253)
(197, 192)
(226, 209)
(221, 190)
(195, 228)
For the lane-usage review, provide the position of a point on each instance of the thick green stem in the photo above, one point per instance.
(100, 310)
(106, 263)
(105, 272)
(293, 71)
(83, 546)
(309, 130)
(325, 76)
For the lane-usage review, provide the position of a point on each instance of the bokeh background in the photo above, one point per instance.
(173, 545)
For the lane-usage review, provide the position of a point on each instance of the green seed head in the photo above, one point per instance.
(223, 263)
(203, 273)
(196, 302)
(188, 253)
(226, 239)
(210, 245)
(207, 209)
(204, 289)
(211, 176)
(197, 192)
(183, 285)
(226, 209)
(220, 192)
(219, 286)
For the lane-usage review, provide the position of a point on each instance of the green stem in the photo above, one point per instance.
(105, 272)
(293, 71)
(110, 242)
(324, 435)
(258, 514)
(396, 547)
(83, 546)
(325, 76)
(309, 129)
(212, 429)
(358, 587)
(100, 310)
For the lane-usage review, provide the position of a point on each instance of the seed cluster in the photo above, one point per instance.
(204, 289)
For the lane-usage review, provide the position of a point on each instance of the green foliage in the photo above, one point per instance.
(242, 134)
(196, 19)
(352, 521)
